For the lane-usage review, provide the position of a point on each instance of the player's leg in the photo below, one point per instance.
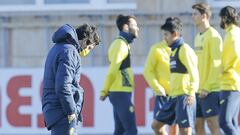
(126, 113)
(185, 115)
(157, 126)
(118, 128)
(211, 108)
(235, 120)
(174, 129)
(213, 125)
(186, 131)
(200, 121)
(199, 127)
(165, 116)
(229, 101)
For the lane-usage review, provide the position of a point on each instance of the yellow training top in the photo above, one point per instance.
(230, 79)
(157, 69)
(208, 47)
(119, 76)
(184, 83)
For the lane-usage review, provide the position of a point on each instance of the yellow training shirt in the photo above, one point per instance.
(230, 79)
(208, 47)
(185, 83)
(118, 80)
(157, 69)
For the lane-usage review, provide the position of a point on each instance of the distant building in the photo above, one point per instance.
(26, 26)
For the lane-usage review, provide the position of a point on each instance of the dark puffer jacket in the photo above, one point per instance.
(62, 94)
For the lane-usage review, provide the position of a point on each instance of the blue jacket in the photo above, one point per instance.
(62, 94)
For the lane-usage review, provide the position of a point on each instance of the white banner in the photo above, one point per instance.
(20, 102)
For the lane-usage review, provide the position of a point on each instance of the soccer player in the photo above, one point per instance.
(184, 80)
(208, 47)
(157, 74)
(119, 81)
(62, 97)
(230, 80)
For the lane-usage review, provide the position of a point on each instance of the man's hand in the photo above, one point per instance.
(71, 117)
(102, 98)
(190, 100)
(203, 94)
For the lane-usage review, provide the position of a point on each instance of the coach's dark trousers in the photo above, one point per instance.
(64, 127)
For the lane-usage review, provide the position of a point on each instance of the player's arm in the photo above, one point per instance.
(149, 73)
(215, 52)
(189, 60)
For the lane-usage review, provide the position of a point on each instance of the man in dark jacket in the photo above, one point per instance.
(62, 95)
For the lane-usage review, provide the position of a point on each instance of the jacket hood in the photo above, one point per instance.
(66, 33)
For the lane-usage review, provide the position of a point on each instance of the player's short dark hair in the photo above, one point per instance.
(229, 15)
(88, 33)
(203, 8)
(172, 24)
(123, 19)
